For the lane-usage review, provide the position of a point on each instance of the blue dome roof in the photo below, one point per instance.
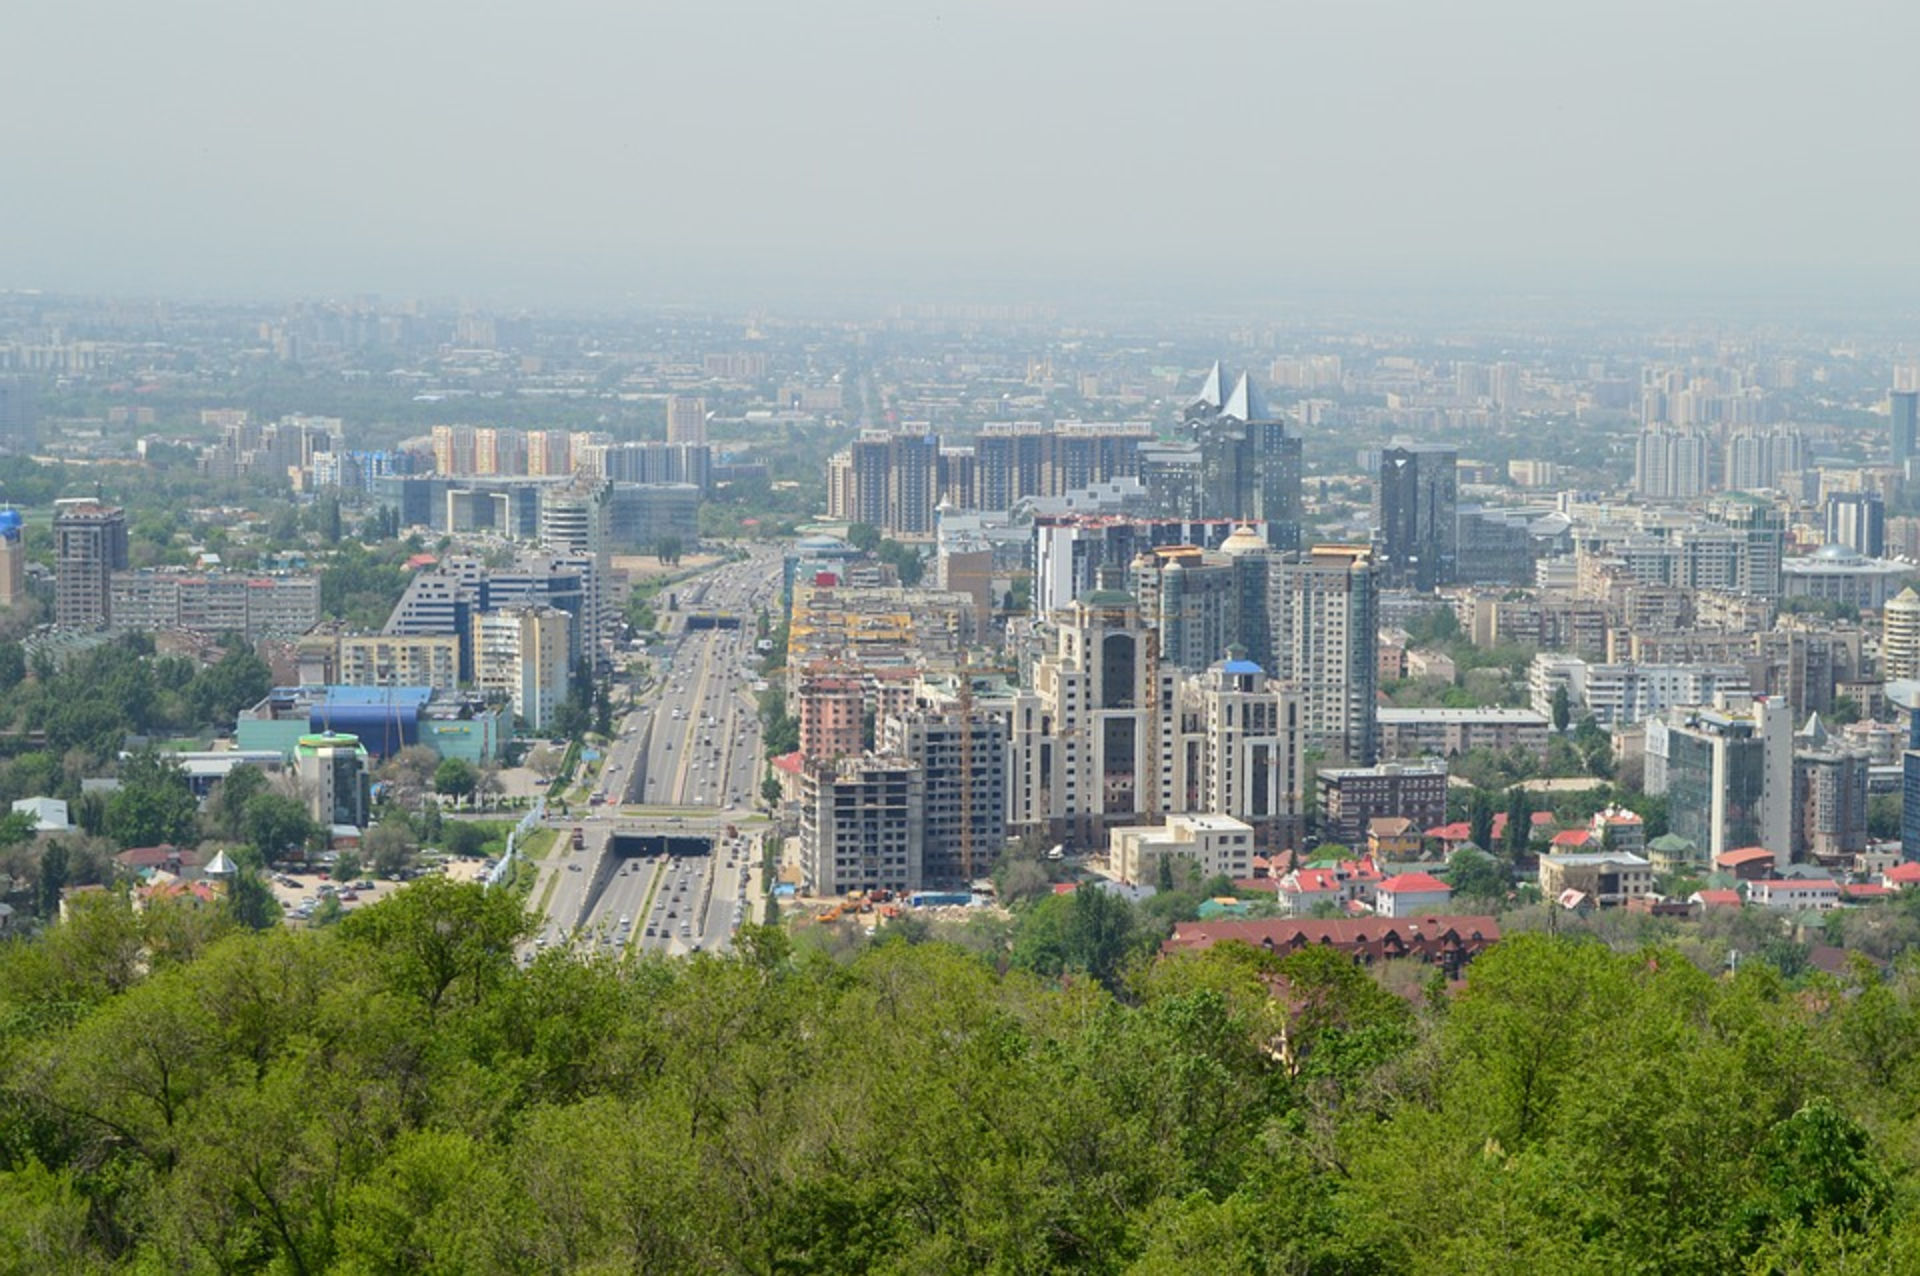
(1241, 666)
(9, 522)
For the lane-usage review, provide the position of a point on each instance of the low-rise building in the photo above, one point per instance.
(1443, 733)
(1795, 895)
(1619, 829)
(1671, 853)
(1412, 895)
(1837, 573)
(1607, 878)
(332, 769)
(1219, 845)
(1447, 941)
(1393, 837)
(253, 606)
(385, 720)
(49, 814)
(1352, 797)
(1305, 889)
(1747, 863)
(1902, 876)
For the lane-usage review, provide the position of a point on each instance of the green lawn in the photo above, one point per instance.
(538, 843)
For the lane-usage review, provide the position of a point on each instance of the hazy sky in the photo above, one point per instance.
(570, 150)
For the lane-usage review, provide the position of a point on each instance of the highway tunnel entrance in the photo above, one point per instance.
(637, 845)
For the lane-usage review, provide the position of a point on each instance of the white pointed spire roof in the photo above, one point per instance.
(1210, 392)
(219, 866)
(1245, 404)
(1815, 730)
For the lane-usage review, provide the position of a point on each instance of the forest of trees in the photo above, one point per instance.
(395, 1094)
(88, 705)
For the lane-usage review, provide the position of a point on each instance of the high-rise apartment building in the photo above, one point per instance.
(686, 419)
(959, 479)
(1829, 797)
(454, 449)
(1325, 610)
(655, 462)
(89, 545)
(832, 717)
(1758, 458)
(862, 825)
(1904, 411)
(1727, 773)
(870, 460)
(1351, 797)
(1858, 520)
(575, 520)
(1106, 741)
(13, 559)
(1016, 460)
(497, 451)
(1241, 738)
(1900, 636)
(1416, 515)
(896, 479)
(1012, 461)
(17, 414)
(842, 492)
(1070, 551)
(521, 656)
(252, 606)
(1671, 464)
(913, 482)
(549, 453)
(1249, 465)
(962, 759)
(1190, 599)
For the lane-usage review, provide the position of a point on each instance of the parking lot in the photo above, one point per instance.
(300, 893)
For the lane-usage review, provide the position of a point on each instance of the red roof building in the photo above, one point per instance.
(1748, 863)
(1902, 875)
(1411, 895)
(1451, 941)
(1342, 882)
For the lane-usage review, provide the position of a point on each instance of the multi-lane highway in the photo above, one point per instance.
(657, 871)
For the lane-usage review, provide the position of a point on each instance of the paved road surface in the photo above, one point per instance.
(690, 756)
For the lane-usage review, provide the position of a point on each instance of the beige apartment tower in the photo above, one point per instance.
(686, 419)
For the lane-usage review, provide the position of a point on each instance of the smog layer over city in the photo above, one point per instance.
(1050, 637)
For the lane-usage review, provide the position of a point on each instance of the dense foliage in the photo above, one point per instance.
(395, 1094)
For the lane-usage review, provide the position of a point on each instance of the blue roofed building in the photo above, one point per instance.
(384, 719)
